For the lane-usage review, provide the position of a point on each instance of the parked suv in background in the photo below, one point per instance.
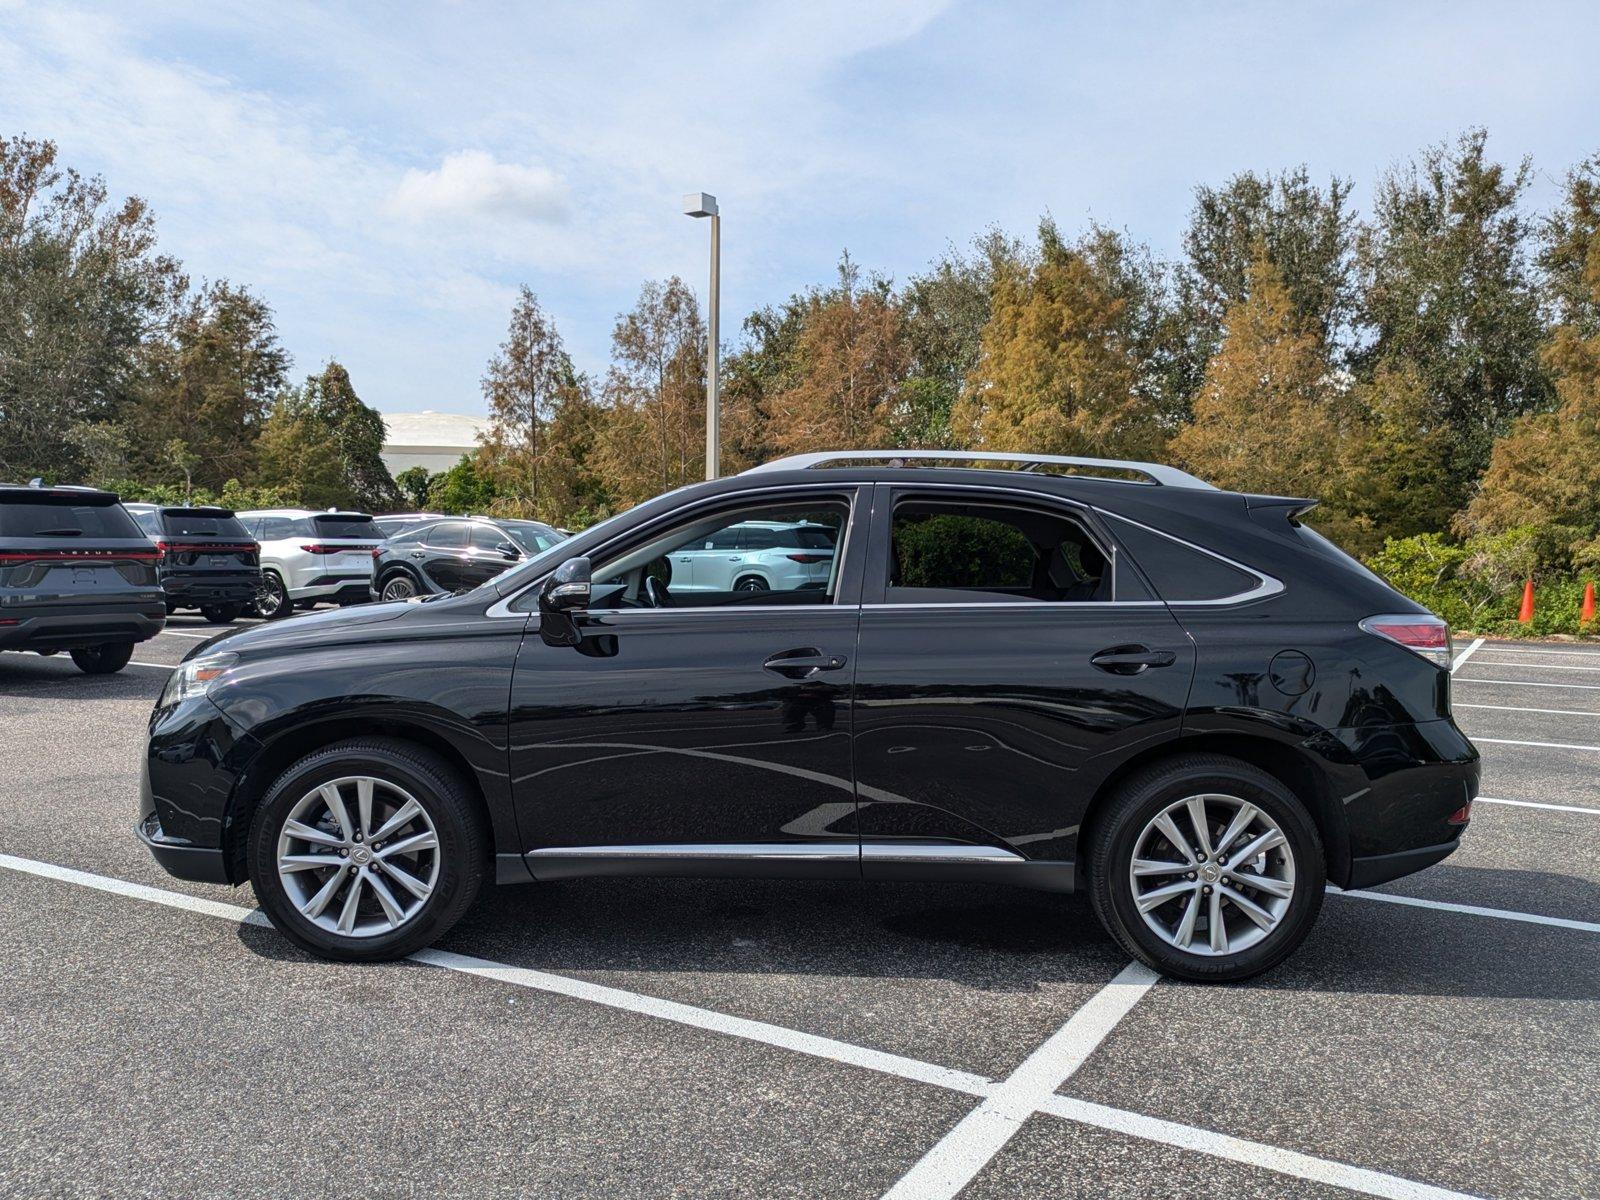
(76, 574)
(1088, 674)
(755, 556)
(309, 557)
(454, 553)
(207, 560)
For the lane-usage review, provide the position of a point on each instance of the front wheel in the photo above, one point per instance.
(1206, 868)
(103, 660)
(366, 850)
(399, 586)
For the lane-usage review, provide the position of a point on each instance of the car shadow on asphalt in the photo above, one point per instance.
(30, 677)
(985, 938)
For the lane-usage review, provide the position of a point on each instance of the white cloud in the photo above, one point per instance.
(470, 183)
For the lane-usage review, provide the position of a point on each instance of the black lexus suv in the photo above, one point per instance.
(1083, 674)
(207, 560)
(453, 553)
(76, 574)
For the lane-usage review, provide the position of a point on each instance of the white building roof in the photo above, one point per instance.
(430, 430)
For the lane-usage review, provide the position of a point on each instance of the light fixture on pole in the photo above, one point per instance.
(699, 204)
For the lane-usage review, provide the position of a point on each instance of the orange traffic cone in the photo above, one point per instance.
(1586, 610)
(1526, 614)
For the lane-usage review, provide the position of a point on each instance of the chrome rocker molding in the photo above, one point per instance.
(930, 861)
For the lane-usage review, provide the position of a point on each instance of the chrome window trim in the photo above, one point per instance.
(1266, 585)
(502, 607)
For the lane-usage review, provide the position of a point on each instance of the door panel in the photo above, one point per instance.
(988, 722)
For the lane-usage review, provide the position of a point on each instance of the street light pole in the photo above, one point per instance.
(700, 204)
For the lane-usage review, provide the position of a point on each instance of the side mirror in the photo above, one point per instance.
(508, 550)
(567, 590)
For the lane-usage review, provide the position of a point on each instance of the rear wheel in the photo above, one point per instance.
(272, 601)
(221, 614)
(103, 660)
(751, 583)
(367, 850)
(398, 586)
(1206, 868)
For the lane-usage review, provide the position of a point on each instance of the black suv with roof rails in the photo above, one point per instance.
(76, 574)
(207, 560)
(1084, 675)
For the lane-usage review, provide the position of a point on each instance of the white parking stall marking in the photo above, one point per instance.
(179, 633)
(1239, 1150)
(1554, 712)
(1464, 655)
(955, 1160)
(134, 662)
(1528, 666)
(1543, 745)
(1472, 910)
(1202, 1141)
(1583, 687)
(1534, 650)
(1577, 808)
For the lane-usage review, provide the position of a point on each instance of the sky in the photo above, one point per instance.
(387, 175)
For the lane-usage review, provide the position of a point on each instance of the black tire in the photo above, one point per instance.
(751, 583)
(400, 583)
(1137, 801)
(106, 659)
(462, 833)
(272, 601)
(221, 614)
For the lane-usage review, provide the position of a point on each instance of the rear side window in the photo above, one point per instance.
(449, 536)
(179, 523)
(1178, 571)
(347, 527)
(63, 519)
(149, 523)
(811, 537)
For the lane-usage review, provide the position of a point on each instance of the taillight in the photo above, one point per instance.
(318, 548)
(808, 558)
(1422, 634)
(1461, 815)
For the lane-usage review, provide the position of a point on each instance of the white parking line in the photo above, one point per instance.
(1583, 687)
(1464, 655)
(134, 662)
(1169, 1133)
(179, 633)
(1555, 712)
(1528, 666)
(1472, 910)
(1577, 808)
(1528, 650)
(1545, 745)
(955, 1160)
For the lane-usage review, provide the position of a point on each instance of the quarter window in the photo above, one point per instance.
(1180, 572)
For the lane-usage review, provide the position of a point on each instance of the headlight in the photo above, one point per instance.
(195, 677)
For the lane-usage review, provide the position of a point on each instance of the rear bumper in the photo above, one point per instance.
(337, 589)
(197, 590)
(1381, 868)
(93, 625)
(178, 858)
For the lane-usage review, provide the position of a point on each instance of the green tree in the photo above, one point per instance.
(463, 488)
(322, 443)
(81, 286)
(413, 485)
(1450, 289)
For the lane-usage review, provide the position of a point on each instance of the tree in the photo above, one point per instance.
(81, 285)
(323, 442)
(530, 382)
(1449, 288)
(1266, 418)
(413, 485)
(1059, 371)
(463, 488)
(850, 361)
(653, 434)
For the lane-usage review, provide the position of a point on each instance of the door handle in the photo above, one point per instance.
(419, 554)
(1131, 660)
(803, 663)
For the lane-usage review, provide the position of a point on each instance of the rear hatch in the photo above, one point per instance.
(812, 547)
(64, 548)
(345, 542)
(206, 545)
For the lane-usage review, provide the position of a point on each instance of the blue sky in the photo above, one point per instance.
(386, 175)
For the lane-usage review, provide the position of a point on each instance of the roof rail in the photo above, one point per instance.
(1157, 473)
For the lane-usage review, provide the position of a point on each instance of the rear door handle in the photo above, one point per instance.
(803, 663)
(1131, 660)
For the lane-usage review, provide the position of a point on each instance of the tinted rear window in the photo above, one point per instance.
(1178, 571)
(347, 527)
(179, 523)
(812, 537)
(65, 520)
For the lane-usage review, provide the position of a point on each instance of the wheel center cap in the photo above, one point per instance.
(1210, 873)
(361, 856)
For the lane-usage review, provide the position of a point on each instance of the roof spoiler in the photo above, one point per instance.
(1293, 507)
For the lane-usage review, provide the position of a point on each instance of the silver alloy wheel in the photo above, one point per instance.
(271, 596)
(358, 856)
(1212, 874)
(399, 588)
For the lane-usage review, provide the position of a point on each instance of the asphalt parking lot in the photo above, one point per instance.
(648, 1038)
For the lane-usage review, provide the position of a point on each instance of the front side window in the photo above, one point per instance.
(452, 535)
(946, 551)
(713, 561)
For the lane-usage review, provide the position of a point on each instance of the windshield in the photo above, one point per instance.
(553, 556)
(531, 536)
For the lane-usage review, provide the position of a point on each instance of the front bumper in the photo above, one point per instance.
(181, 859)
(192, 765)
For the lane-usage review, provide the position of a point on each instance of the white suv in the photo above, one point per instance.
(756, 556)
(308, 557)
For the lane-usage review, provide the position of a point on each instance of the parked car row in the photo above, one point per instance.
(82, 572)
